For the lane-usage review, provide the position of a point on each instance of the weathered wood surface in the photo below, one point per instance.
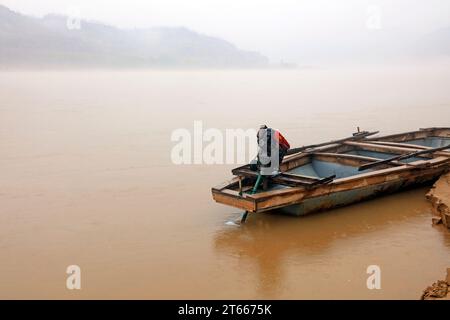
(381, 148)
(414, 135)
(399, 144)
(232, 198)
(287, 179)
(356, 136)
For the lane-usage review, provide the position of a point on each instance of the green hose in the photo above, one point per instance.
(258, 181)
(255, 188)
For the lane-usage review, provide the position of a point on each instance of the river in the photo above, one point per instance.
(88, 180)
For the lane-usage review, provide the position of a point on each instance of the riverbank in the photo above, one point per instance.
(439, 196)
(438, 290)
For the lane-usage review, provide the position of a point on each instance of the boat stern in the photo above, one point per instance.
(234, 199)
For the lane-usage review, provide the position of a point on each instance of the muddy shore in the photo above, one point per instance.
(438, 290)
(439, 196)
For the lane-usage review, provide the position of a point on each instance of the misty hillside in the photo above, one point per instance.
(29, 41)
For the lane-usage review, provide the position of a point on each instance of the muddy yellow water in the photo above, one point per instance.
(87, 179)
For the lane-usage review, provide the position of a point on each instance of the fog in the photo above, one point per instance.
(303, 31)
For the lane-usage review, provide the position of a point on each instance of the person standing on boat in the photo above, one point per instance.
(273, 146)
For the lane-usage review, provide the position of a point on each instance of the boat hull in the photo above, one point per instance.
(345, 198)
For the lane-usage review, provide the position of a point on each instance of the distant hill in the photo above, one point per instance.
(48, 42)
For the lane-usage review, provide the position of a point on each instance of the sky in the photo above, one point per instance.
(275, 28)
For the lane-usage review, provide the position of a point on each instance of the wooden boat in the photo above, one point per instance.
(342, 172)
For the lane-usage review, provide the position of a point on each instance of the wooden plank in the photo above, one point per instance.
(350, 159)
(294, 180)
(414, 135)
(245, 171)
(233, 199)
(356, 136)
(253, 174)
(405, 136)
(287, 179)
(294, 161)
(227, 184)
(399, 144)
(434, 128)
(279, 179)
(311, 178)
(442, 132)
(401, 157)
(381, 148)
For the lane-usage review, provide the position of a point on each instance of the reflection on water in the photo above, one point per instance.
(274, 241)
